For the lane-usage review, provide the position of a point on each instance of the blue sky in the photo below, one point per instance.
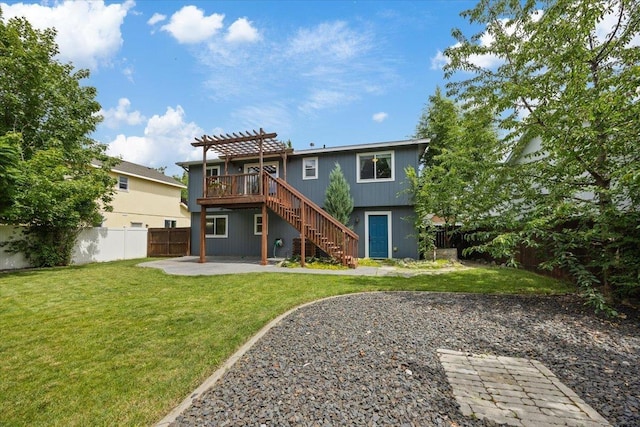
(324, 72)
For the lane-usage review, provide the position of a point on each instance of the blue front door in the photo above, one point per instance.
(378, 236)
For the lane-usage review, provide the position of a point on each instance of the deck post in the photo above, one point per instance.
(303, 222)
(203, 226)
(265, 231)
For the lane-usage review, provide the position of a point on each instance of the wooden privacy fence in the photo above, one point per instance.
(168, 241)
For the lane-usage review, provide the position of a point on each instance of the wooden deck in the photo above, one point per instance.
(233, 191)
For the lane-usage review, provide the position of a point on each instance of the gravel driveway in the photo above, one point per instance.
(370, 359)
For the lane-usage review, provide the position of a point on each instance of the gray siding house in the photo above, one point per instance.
(382, 217)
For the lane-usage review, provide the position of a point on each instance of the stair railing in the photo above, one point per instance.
(329, 234)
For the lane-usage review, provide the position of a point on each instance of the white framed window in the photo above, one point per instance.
(216, 226)
(170, 223)
(213, 170)
(136, 224)
(375, 167)
(123, 183)
(257, 224)
(310, 168)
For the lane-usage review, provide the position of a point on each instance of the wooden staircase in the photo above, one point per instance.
(313, 223)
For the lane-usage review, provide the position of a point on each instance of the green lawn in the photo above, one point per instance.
(116, 344)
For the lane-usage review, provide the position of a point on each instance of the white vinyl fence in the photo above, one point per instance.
(97, 244)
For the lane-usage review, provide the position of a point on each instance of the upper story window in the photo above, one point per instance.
(216, 226)
(310, 168)
(213, 170)
(123, 183)
(375, 167)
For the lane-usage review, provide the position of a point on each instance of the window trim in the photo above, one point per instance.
(255, 224)
(218, 236)
(304, 169)
(126, 181)
(375, 154)
(212, 167)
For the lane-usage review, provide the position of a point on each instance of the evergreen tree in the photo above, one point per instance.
(458, 167)
(337, 199)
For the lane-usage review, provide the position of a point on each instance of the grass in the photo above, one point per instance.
(116, 344)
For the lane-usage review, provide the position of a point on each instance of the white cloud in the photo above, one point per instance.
(330, 40)
(128, 73)
(242, 31)
(322, 99)
(271, 116)
(88, 31)
(333, 63)
(157, 17)
(114, 117)
(167, 139)
(439, 61)
(189, 25)
(380, 117)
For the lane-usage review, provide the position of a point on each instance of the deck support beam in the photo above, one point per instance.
(303, 226)
(265, 231)
(203, 241)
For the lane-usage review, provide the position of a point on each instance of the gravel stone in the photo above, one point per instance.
(370, 360)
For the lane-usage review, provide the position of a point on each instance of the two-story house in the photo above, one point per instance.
(145, 197)
(235, 197)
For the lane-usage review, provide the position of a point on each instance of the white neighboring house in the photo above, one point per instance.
(145, 198)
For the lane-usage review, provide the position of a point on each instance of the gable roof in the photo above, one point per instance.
(143, 172)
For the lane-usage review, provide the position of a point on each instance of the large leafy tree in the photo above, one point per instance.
(9, 173)
(44, 106)
(566, 74)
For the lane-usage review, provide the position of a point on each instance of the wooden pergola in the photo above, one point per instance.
(241, 145)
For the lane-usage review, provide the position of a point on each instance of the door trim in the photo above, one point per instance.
(366, 231)
(257, 165)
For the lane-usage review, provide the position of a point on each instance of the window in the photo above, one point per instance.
(257, 224)
(213, 170)
(310, 168)
(136, 225)
(375, 167)
(216, 226)
(170, 223)
(123, 183)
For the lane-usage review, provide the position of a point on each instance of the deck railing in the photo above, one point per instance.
(247, 184)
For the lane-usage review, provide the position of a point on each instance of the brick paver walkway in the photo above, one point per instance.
(513, 391)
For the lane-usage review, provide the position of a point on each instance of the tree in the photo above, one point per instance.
(567, 75)
(184, 193)
(439, 123)
(337, 199)
(9, 172)
(43, 102)
(457, 167)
